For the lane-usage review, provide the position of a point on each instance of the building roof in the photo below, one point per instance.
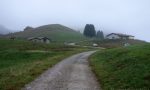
(120, 34)
(31, 38)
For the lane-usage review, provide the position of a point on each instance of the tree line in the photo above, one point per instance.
(90, 32)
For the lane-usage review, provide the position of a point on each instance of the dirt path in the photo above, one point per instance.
(72, 73)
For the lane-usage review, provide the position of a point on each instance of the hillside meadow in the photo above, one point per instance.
(55, 32)
(123, 68)
(23, 61)
(107, 43)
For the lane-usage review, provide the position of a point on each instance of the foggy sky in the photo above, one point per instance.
(119, 16)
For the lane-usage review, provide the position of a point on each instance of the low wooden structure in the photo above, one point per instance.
(40, 39)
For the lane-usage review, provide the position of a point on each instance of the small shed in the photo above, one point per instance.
(12, 38)
(40, 39)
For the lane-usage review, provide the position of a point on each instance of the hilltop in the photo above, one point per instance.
(56, 32)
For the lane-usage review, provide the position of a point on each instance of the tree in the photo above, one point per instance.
(100, 35)
(86, 30)
(89, 30)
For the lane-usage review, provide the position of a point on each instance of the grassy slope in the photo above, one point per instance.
(54, 31)
(18, 66)
(123, 68)
(117, 43)
(109, 43)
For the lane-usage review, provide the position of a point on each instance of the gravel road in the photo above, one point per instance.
(72, 73)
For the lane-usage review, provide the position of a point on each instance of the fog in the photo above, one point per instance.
(118, 16)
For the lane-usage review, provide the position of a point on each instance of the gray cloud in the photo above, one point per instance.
(122, 16)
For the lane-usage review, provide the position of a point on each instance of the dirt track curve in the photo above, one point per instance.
(72, 73)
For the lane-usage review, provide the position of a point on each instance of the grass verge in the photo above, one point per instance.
(123, 68)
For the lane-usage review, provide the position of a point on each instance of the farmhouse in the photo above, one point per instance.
(39, 39)
(119, 36)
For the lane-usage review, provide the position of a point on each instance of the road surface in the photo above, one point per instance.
(72, 73)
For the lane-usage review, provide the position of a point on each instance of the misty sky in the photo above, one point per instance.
(120, 16)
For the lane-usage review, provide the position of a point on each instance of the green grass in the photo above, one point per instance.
(106, 43)
(21, 61)
(123, 68)
(22, 45)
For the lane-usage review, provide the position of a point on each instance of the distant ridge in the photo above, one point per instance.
(4, 30)
(56, 32)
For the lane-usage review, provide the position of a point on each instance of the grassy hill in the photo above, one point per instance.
(1, 35)
(55, 32)
(123, 68)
